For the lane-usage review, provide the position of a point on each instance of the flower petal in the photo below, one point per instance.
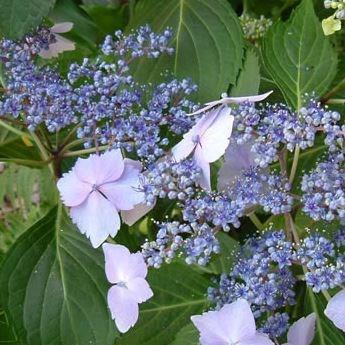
(132, 216)
(116, 262)
(124, 193)
(302, 332)
(205, 176)
(228, 100)
(238, 320)
(215, 139)
(107, 167)
(136, 267)
(97, 218)
(335, 310)
(257, 339)
(183, 149)
(73, 191)
(140, 289)
(60, 28)
(123, 307)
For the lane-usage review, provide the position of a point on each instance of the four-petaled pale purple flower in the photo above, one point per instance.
(96, 189)
(61, 44)
(335, 310)
(302, 332)
(127, 271)
(207, 140)
(233, 324)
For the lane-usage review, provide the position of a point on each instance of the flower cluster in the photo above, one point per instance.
(254, 28)
(196, 242)
(272, 126)
(261, 275)
(99, 94)
(324, 191)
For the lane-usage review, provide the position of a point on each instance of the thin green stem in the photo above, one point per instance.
(338, 87)
(12, 129)
(294, 164)
(255, 220)
(326, 294)
(336, 101)
(86, 151)
(44, 154)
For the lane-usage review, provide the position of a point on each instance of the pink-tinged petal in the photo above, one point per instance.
(124, 193)
(302, 332)
(237, 158)
(228, 100)
(140, 289)
(60, 28)
(136, 267)
(257, 339)
(238, 320)
(183, 149)
(116, 262)
(132, 216)
(97, 218)
(335, 310)
(72, 190)
(205, 176)
(123, 307)
(211, 328)
(62, 44)
(215, 139)
(107, 167)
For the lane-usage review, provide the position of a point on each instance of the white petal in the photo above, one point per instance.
(136, 267)
(60, 28)
(215, 139)
(140, 289)
(228, 100)
(302, 331)
(97, 218)
(124, 309)
(116, 262)
(124, 193)
(335, 310)
(100, 169)
(257, 339)
(132, 216)
(237, 158)
(205, 177)
(73, 191)
(183, 149)
(238, 320)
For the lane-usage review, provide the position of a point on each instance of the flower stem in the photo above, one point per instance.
(86, 151)
(336, 101)
(12, 129)
(255, 220)
(294, 164)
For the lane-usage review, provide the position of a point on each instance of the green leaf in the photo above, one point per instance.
(326, 332)
(298, 56)
(188, 335)
(53, 286)
(207, 39)
(179, 292)
(17, 17)
(248, 81)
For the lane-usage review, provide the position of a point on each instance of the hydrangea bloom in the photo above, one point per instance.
(232, 324)
(96, 189)
(59, 44)
(335, 310)
(302, 332)
(207, 140)
(128, 272)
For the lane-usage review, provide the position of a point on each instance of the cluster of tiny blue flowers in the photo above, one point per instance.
(169, 179)
(324, 191)
(254, 187)
(325, 265)
(261, 275)
(276, 325)
(194, 241)
(272, 126)
(100, 95)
